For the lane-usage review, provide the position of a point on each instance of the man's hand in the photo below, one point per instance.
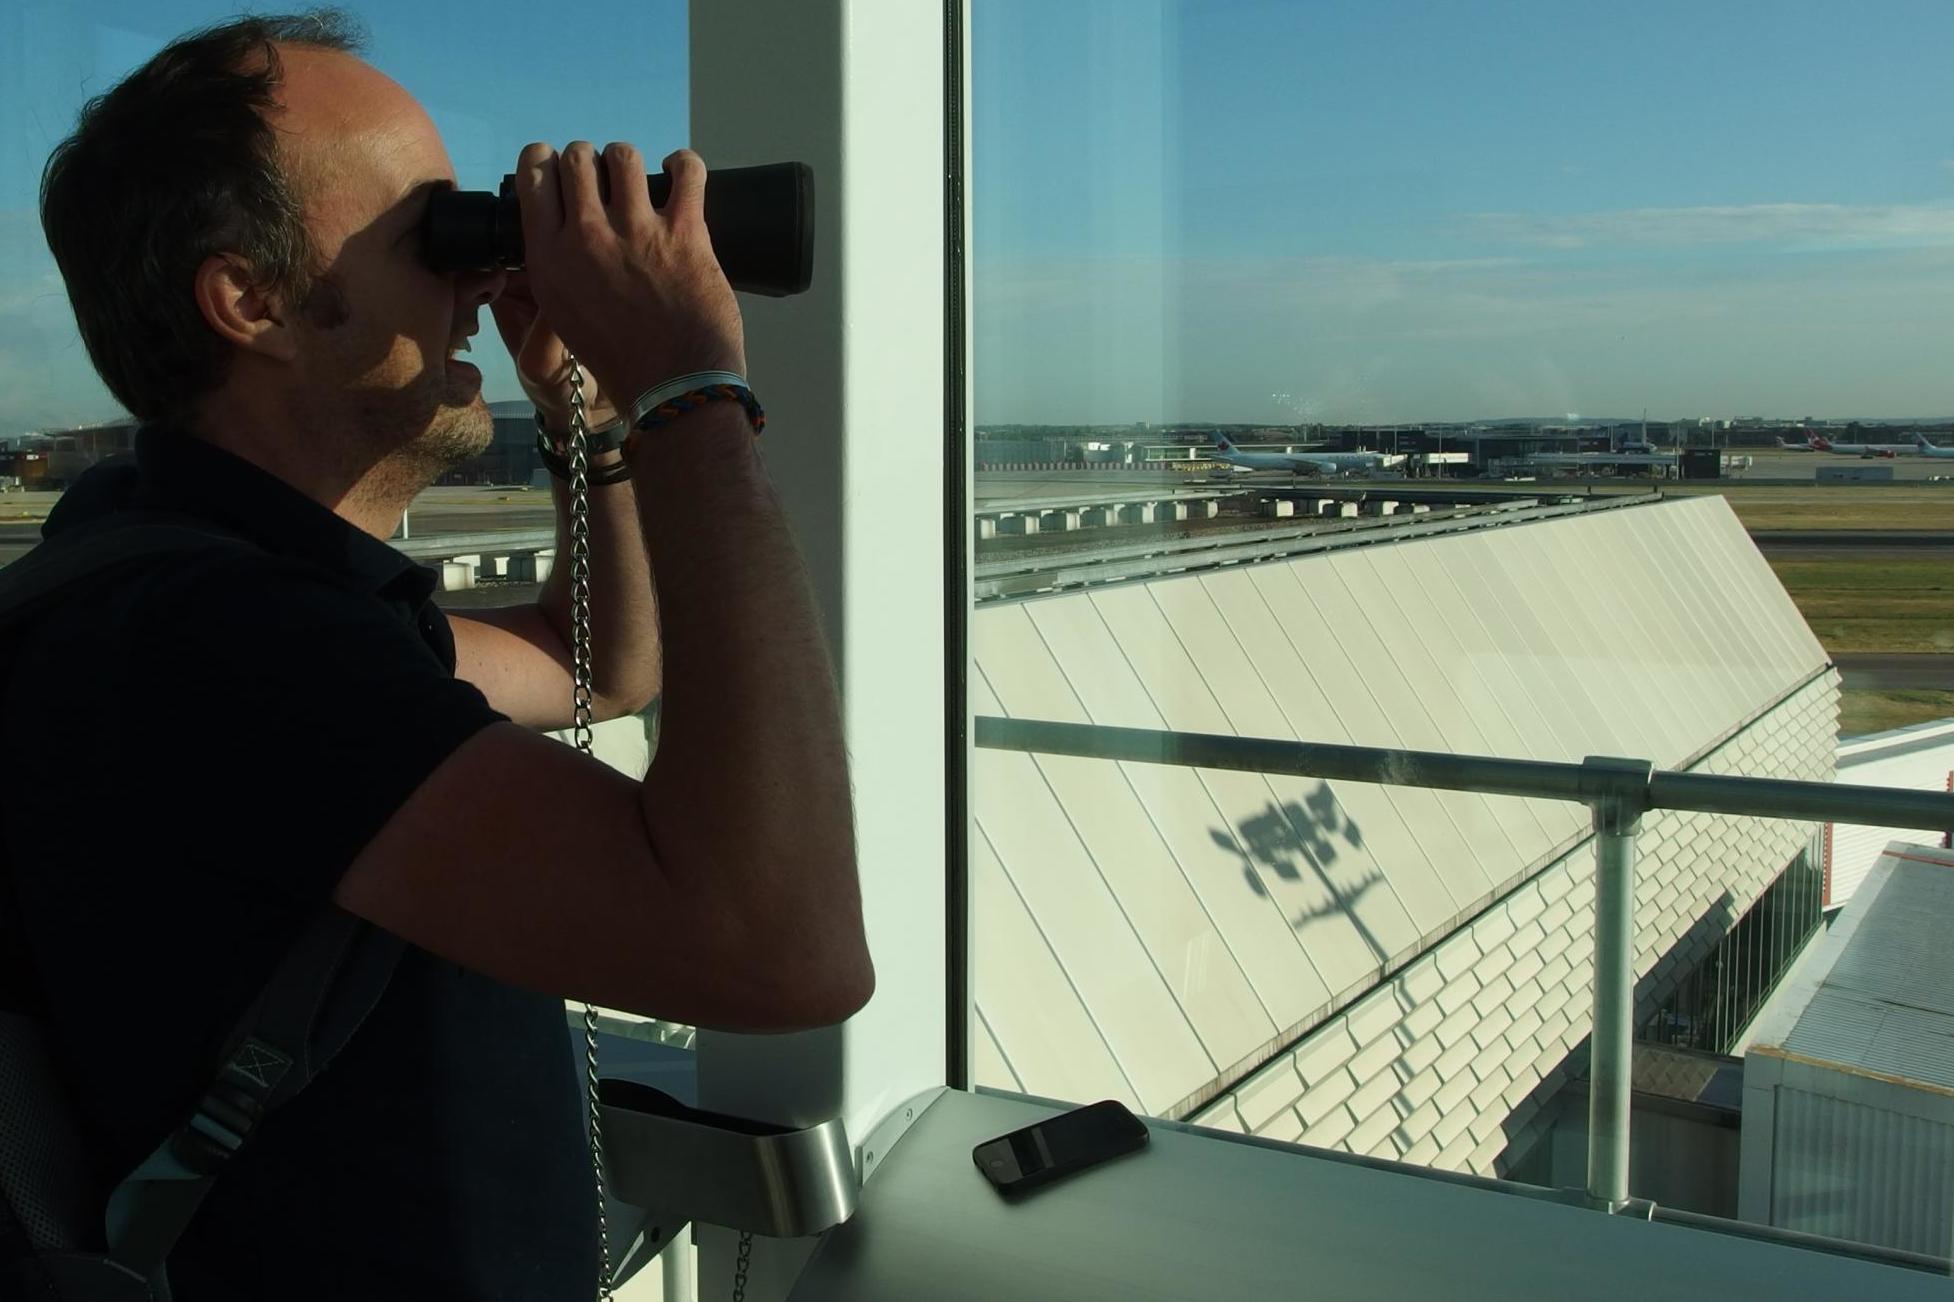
(634, 290)
(542, 362)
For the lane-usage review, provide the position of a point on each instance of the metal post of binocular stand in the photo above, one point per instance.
(670, 1164)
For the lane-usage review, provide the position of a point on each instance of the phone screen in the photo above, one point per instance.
(1066, 1143)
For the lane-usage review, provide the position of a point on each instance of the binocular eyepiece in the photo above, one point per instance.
(761, 220)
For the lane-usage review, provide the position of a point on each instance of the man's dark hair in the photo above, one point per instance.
(174, 163)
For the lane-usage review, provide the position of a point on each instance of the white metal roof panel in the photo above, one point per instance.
(1297, 708)
(1639, 628)
(1040, 1022)
(1180, 808)
(1139, 872)
(1514, 617)
(1602, 662)
(1211, 916)
(1454, 693)
(1489, 682)
(1324, 695)
(1309, 851)
(1349, 662)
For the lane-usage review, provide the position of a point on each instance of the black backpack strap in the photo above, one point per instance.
(311, 1007)
(323, 990)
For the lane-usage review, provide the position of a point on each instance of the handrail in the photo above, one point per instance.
(1617, 792)
(1536, 779)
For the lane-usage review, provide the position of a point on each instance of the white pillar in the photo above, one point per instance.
(1062, 521)
(1018, 525)
(846, 371)
(1136, 513)
(1278, 508)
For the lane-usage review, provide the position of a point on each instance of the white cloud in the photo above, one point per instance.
(1106, 340)
(1794, 225)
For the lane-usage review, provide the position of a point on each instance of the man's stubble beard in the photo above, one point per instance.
(394, 446)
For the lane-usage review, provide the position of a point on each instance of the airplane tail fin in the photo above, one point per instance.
(1221, 441)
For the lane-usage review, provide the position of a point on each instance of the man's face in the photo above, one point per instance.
(375, 365)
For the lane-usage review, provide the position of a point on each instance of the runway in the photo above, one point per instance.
(1881, 671)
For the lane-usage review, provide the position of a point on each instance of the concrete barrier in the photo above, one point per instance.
(1058, 521)
(1278, 508)
(457, 575)
(1017, 525)
(531, 567)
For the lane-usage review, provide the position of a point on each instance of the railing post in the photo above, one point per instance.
(1619, 795)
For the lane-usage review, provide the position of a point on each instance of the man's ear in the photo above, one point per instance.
(240, 310)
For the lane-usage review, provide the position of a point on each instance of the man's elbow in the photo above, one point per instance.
(624, 704)
(841, 987)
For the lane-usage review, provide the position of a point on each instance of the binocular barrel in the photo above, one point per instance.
(761, 220)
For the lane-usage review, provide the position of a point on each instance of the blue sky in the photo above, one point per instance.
(1405, 211)
(1241, 211)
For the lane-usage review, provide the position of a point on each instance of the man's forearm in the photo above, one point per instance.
(749, 795)
(627, 659)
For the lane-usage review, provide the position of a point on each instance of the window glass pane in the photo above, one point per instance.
(1325, 362)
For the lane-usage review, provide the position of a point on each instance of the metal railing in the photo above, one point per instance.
(1617, 792)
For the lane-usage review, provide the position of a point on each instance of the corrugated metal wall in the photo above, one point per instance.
(1833, 1150)
(1921, 758)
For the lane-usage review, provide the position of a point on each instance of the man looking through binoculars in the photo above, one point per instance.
(294, 723)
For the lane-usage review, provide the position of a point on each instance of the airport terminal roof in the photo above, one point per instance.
(1152, 933)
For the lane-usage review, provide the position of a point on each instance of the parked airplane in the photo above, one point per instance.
(1822, 444)
(1311, 463)
(1789, 446)
(1926, 449)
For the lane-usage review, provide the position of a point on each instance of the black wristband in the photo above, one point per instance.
(601, 438)
(560, 466)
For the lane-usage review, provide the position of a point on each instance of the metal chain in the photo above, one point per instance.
(580, 697)
(739, 1267)
(580, 706)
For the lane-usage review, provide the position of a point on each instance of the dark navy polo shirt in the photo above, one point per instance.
(194, 752)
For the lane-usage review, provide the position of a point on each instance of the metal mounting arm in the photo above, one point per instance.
(676, 1164)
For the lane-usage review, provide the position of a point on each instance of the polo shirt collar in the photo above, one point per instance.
(174, 470)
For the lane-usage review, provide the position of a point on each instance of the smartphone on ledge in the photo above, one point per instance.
(1058, 1146)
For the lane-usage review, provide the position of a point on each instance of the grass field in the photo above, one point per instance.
(1834, 506)
(1873, 603)
(1862, 712)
